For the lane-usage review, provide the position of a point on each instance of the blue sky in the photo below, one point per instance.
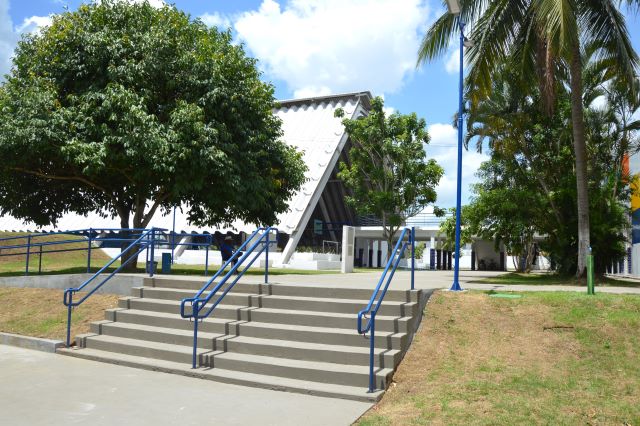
(315, 47)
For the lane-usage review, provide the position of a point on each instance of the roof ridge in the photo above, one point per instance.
(364, 96)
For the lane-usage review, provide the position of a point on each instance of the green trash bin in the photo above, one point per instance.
(166, 263)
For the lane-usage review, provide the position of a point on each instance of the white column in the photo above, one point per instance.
(348, 248)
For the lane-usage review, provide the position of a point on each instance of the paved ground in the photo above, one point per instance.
(38, 388)
(423, 280)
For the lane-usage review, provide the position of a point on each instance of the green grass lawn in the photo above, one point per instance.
(544, 358)
(50, 262)
(515, 278)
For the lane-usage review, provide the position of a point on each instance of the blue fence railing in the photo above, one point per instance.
(145, 241)
(406, 238)
(36, 244)
(254, 246)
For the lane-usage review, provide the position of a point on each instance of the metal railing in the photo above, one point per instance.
(34, 245)
(199, 309)
(380, 291)
(145, 241)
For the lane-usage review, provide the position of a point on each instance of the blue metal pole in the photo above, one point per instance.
(26, 268)
(266, 263)
(151, 263)
(372, 337)
(455, 286)
(196, 308)
(173, 233)
(69, 319)
(206, 261)
(89, 253)
(413, 257)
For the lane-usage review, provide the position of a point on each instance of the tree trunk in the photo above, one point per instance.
(579, 145)
(126, 235)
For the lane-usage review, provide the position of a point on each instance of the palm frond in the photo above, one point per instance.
(601, 20)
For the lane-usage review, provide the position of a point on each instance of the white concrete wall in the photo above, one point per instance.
(119, 284)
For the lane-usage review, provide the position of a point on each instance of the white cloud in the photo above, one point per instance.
(444, 149)
(331, 46)
(311, 91)
(9, 35)
(34, 23)
(8, 38)
(443, 134)
(215, 20)
(452, 63)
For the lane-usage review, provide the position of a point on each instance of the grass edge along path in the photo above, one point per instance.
(544, 358)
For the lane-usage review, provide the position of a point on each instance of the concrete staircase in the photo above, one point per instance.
(299, 338)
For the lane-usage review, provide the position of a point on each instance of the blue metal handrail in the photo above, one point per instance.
(198, 303)
(87, 237)
(378, 295)
(143, 242)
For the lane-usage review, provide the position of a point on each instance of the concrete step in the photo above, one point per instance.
(302, 290)
(146, 349)
(284, 302)
(317, 334)
(157, 334)
(352, 355)
(356, 393)
(281, 316)
(323, 372)
(314, 371)
(292, 332)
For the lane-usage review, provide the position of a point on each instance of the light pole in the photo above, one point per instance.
(454, 9)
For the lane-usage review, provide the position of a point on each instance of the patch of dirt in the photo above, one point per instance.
(40, 313)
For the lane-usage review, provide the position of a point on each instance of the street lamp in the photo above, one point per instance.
(454, 9)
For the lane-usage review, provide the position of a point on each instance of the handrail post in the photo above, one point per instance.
(372, 337)
(40, 261)
(69, 306)
(89, 253)
(26, 268)
(195, 312)
(152, 260)
(266, 260)
(413, 257)
(206, 261)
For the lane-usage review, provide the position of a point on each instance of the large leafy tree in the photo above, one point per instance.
(387, 170)
(543, 39)
(526, 188)
(127, 109)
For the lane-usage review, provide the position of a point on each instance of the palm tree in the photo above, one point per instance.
(539, 37)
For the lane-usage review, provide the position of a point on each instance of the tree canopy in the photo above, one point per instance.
(387, 170)
(527, 193)
(125, 109)
(544, 41)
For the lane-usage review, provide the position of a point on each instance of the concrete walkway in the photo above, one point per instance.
(427, 280)
(39, 388)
